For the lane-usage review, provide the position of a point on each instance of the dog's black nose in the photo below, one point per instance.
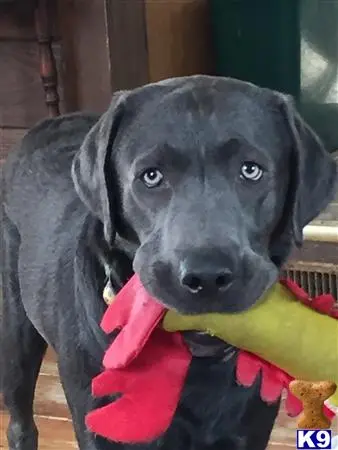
(207, 282)
(206, 275)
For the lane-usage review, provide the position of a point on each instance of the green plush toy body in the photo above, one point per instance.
(279, 329)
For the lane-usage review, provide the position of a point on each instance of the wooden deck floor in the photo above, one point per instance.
(55, 427)
(51, 412)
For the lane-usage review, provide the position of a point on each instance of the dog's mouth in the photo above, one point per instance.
(202, 345)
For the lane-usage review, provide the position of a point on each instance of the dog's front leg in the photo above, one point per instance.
(76, 373)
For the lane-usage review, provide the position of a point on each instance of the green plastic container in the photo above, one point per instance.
(287, 45)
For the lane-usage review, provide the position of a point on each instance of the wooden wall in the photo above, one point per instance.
(100, 46)
(80, 44)
(178, 35)
(21, 93)
(85, 54)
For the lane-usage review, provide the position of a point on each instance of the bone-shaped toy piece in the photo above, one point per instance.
(313, 395)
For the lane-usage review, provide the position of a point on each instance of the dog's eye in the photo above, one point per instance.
(251, 171)
(151, 177)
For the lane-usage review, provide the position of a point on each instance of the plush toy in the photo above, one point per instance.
(279, 329)
(148, 360)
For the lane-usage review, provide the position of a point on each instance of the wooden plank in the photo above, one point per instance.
(49, 398)
(284, 430)
(280, 446)
(55, 429)
(127, 35)
(9, 140)
(17, 21)
(49, 364)
(69, 56)
(112, 56)
(86, 58)
(319, 252)
(178, 38)
(54, 434)
(21, 92)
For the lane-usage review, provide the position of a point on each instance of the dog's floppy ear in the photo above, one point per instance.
(313, 173)
(90, 166)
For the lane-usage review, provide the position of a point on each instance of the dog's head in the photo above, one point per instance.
(214, 179)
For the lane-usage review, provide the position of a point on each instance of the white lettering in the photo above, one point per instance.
(304, 438)
(323, 439)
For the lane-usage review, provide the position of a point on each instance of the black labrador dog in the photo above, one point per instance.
(201, 185)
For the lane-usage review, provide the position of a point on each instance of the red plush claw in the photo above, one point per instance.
(324, 304)
(273, 379)
(273, 382)
(155, 378)
(136, 314)
(145, 365)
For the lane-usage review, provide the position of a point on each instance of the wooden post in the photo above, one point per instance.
(48, 70)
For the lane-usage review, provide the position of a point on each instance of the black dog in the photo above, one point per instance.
(201, 185)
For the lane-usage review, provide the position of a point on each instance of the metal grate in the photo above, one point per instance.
(314, 278)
